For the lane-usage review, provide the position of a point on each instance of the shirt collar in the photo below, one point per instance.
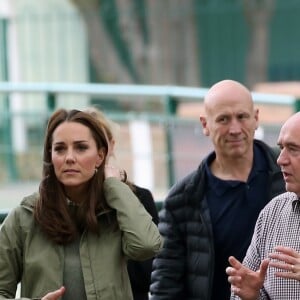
(221, 186)
(218, 185)
(296, 204)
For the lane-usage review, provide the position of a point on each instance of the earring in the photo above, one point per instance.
(96, 170)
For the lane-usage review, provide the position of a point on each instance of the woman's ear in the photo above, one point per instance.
(100, 158)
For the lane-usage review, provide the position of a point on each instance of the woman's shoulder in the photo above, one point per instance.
(24, 211)
(30, 200)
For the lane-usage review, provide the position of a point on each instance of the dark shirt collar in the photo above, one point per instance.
(221, 186)
(296, 204)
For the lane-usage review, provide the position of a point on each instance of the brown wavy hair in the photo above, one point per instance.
(51, 211)
(110, 129)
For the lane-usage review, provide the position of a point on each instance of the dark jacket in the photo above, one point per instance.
(183, 269)
(140, 272)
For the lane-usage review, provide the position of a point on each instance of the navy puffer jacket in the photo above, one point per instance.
(183, 269)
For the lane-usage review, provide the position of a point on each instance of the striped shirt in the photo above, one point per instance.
(277, 224)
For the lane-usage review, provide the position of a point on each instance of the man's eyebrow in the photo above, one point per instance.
(291, 144)
(294, 145)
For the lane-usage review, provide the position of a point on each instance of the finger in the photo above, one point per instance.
(230, 271)
(291, 274)
(264, 267)
(234, 262)
(282, 266)
(287, 251)
(55, 295)
(287, 259)
(234, 280)
(60, 291)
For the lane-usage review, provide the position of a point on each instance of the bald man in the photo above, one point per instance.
(210, 214)
(271, 268)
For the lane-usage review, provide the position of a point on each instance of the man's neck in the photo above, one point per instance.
(235, 169)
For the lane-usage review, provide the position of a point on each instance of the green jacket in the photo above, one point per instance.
(27, 256)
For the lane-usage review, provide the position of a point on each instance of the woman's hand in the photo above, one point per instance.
(55, 295)
(246, 283)
(112, 171)
(287, 260)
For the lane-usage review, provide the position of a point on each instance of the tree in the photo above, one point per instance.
(258, 14)
(102, 25)
(141, 41)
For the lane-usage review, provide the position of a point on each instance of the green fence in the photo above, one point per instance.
(159, 105)
(153, 103)
(166, 98)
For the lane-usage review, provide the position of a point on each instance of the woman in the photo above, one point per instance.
(74, 237)
(139, 271)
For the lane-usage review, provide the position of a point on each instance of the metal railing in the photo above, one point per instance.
(189, 94)
(169, 96)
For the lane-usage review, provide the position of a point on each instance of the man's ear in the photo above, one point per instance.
(204, 126)
(256, 114)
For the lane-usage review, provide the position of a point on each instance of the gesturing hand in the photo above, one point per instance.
(287, 260)
(55, 295)
(246, 283)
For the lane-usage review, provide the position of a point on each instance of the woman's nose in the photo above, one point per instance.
(70, 156)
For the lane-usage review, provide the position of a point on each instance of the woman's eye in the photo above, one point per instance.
(82, 147)
(59, 149)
